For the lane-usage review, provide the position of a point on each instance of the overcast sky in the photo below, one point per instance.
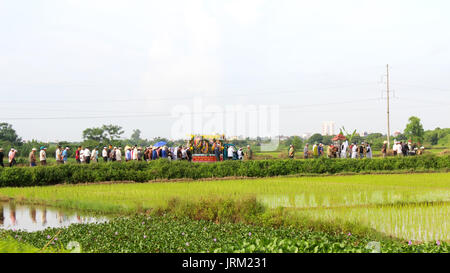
(69, 65)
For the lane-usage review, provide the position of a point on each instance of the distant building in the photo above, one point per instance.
(328, 128)
(306, 135)
(397, 133)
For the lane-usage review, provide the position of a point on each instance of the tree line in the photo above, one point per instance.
(113, 134)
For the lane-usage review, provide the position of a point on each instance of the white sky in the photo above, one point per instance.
(131, 62)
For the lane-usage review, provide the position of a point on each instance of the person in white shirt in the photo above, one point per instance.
(135, 153)
(58, 155)
(82, 157)
(94, 155)
(43, 156)
(394, 147)
(105, 154)
(12, 157)
(183, 153)
(240, 154)
(87, 155)
(175, 153)
(230, 152)
(399, 149)
(355, 151)
(118, 155)
(368, 151)
(344, 149)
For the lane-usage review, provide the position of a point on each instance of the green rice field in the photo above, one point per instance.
(405, 206)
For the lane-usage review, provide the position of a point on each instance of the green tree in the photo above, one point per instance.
(315, 138)
(296, 141)
(136, 136)
(7, 133)
(96, 134)
(326, 140)
(414, 129)
(113, 132)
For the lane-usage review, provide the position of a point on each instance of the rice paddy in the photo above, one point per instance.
(408, 206)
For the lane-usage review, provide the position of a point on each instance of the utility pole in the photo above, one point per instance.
(388, 120)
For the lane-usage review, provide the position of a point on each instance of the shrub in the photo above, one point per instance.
(140, 171)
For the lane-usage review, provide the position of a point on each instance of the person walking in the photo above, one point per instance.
(405, 149)
(105, 154)
(179, 155)
(344, 149)
(361, 150)
(32, 157)
(384, 149)
(305, 151)
(240, 154)
(320, 149)
(112, 154)
(330, 151)
(119, 154)
(134, 154)
(128, 154)
(174, 153)
(12, 157)
(183, 153)
(58, 155)
(87, 155)
(315, 150)
(65, 155)
(43, 156)
(368, 151)
(291, 151)
(354, 150)
(2, 155)
(82, 156)
(217, 148)
(94, 155)
(230, 152)
(155, 154)
(189, 154)
(78, 155)
(140, 154)
(249, 153)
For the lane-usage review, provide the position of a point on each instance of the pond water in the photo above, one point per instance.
(34, 218)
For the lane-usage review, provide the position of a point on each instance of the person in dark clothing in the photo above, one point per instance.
(189, 154)
(405, 149)
(361, 150)
(110, 150)
(2, 155)
(384, 149)
(217, 150)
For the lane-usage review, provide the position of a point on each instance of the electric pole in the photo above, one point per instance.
(388, 121)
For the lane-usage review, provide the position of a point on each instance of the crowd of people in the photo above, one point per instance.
(401, 148)
(129, 153)
(83, 155)
(354, 150)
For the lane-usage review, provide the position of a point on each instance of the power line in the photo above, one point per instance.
(175, 98)
(163, 114)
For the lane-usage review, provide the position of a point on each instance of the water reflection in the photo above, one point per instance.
(25, 217)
